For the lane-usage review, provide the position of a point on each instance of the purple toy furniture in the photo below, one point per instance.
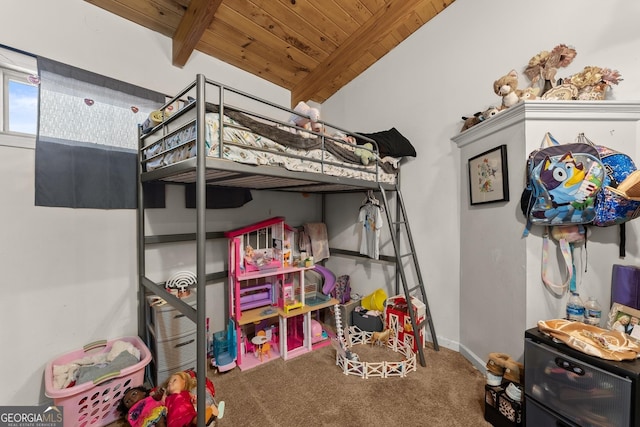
(256, 296)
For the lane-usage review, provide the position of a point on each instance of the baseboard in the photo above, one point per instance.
(446, 343)
(476, 361)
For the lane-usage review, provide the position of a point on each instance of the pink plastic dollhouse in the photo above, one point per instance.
(267, 294)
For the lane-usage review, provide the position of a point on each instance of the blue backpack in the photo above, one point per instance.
(563, 181)
(613, 206)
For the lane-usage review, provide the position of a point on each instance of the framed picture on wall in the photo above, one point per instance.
(488, 177)
(624, 319)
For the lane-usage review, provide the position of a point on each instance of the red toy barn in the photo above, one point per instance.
(397, 318)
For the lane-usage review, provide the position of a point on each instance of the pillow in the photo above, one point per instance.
(390, 143)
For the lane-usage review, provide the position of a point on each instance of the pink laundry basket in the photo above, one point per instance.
(95, 404)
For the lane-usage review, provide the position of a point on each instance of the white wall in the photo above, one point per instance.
(446, 70)
(70, 276)
(501, 268)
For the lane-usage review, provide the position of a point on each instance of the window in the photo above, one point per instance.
(19, 95)
(20, 103)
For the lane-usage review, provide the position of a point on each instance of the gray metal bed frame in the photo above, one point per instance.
(203, 170)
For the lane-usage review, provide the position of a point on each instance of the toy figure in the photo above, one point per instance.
(180, 402)
(382, 337)
(143, 409)
(248, 252)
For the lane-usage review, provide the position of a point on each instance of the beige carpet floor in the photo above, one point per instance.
(311, 390)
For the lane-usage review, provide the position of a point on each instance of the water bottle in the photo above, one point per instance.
(575, 307)
(592, 312)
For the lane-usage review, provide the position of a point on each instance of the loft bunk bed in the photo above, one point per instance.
(251, 140)
(251, 148)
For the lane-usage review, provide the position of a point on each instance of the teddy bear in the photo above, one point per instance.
(309, 118)
(479, 117)
(507, 87)
(366, 156)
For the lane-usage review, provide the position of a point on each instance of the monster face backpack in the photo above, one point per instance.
(562, 183)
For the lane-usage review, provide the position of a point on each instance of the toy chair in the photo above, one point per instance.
(248, 345)
(264, 348)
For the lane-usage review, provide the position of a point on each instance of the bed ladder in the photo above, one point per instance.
(395, 227)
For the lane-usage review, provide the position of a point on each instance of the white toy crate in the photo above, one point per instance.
(95, 404)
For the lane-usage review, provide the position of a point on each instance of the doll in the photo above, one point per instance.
(179, 400)
(142, 408)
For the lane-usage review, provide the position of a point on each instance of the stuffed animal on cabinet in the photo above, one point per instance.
(479, 117)
(530, 93)
(507, 87)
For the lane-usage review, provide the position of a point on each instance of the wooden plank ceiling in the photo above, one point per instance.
(312, 48)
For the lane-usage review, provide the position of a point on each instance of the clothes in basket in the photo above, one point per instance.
(95, 403)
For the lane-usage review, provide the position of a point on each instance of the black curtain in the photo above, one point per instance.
(218, 197)
(86, 147)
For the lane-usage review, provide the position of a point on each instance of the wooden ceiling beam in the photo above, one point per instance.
(310, 48)
(194, 23)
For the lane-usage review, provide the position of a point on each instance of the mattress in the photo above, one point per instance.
(242, 144)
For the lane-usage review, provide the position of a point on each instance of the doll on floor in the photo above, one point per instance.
(180, 402)
(142, 408)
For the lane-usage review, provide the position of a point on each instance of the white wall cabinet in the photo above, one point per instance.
(501, 291)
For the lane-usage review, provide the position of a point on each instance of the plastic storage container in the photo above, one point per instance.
(95, 404)
(572, 392)
(592, 312)
(575, 308)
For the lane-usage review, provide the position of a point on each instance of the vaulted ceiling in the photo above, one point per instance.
(312, 48)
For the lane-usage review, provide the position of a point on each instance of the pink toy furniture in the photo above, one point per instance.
(316, 331)
(256, 296)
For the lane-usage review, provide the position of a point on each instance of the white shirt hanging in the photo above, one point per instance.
(370, 217)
